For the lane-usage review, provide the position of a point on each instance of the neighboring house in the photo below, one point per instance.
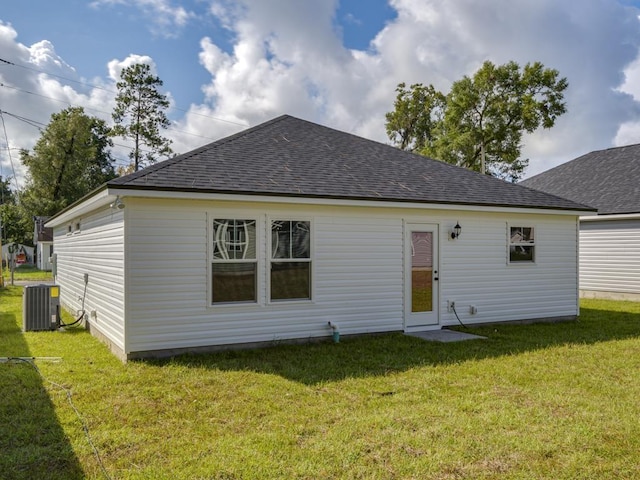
(272, 233)
(43, 242)
(608, 180)
(22, 254)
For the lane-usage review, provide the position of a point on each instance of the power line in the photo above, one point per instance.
(40, 125)
(13, 168)
(7, 62)
(28, 121)
(103, 112)
(119, 160)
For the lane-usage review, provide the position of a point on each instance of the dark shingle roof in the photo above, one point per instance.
(287, 156)
(609, 180)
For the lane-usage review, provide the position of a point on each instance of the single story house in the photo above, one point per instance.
(287, 228)
(43, 243)
(608, 180)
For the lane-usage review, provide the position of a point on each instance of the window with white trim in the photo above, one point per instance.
(522, 245)
(290, 272)
(234, 266)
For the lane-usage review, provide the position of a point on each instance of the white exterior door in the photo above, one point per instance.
(421, 276)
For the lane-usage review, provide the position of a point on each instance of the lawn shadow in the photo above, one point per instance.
(32, 442)
(373, 355)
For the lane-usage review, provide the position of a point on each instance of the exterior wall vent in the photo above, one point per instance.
(40, 308)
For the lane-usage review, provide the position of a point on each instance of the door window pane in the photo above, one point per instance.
(421, 272)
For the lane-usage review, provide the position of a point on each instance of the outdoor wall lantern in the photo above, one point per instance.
(117, 204)
(455, 233)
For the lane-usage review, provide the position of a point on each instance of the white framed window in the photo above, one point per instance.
(290, 264)
(234, 264)
(522, 244)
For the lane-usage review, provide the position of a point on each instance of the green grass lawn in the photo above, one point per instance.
(548, 401)
(26, 272)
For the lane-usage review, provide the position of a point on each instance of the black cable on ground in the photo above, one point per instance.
(67, 391)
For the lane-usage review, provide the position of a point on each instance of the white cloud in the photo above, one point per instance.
(287, 56)
(115, 66)
(25, 93)
(629, 132)
(296, 63)
(165, 18)
(33, 96)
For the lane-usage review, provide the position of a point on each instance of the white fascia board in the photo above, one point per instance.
(98, 200)
(604, 218)
(225, 197)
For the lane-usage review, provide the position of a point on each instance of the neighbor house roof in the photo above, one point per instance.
(609, 180)
(287, 156)
(42, 233)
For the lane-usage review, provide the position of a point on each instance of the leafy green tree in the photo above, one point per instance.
(14, 227)
(6, 195)
(139, 114)
(480, 123)
(418, 111)
(17, 227)
(70, 159)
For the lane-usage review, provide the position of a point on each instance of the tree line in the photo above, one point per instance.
(479, 124)
(73, 155)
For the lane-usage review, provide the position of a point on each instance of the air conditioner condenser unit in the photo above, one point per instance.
(40, 308)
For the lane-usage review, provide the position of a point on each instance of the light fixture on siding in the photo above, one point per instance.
(117, 203)
(455, 233)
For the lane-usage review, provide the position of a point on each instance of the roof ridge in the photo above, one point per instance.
(612, 148)
(573, 161)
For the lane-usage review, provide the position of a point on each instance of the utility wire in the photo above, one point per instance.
(26, 120)
(67, 391)
(39, 125)
(36, 124)
(108, 113)
(13, 168)
(7, 62)
(119, 161)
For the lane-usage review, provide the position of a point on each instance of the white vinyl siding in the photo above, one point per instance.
(610, 256)
(98, 251)
(43, 254)
(358, 279)
(170, 310)
(474, 270)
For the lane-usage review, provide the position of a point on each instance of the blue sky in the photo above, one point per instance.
(228, 64)
(87, 35)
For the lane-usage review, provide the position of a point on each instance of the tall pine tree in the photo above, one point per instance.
(139, 115)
